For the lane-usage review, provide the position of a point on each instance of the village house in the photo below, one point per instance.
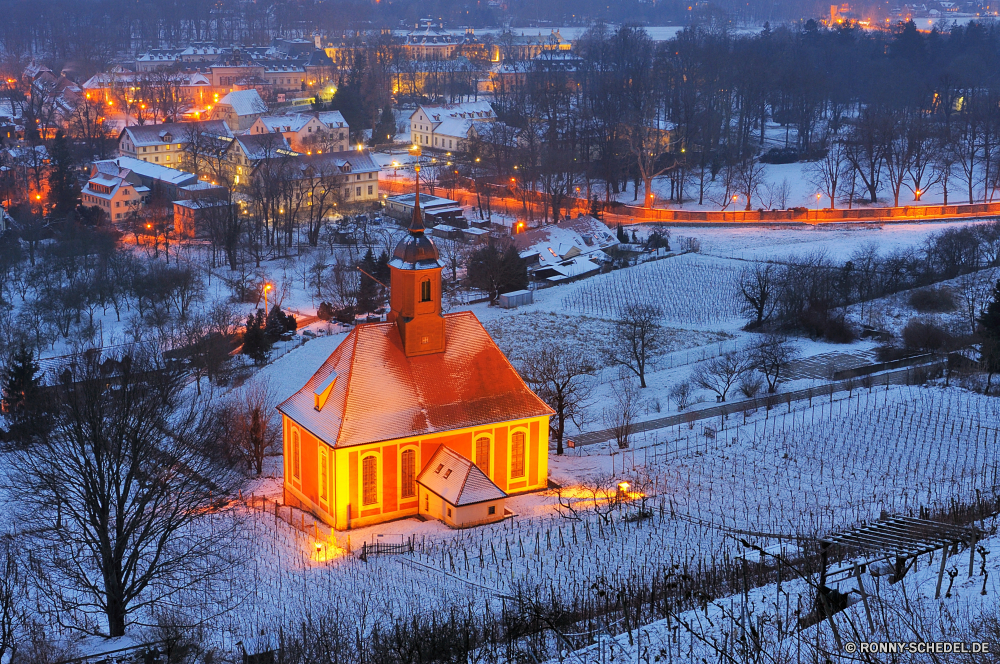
(160, 180)
(165, 143)
(110, 190)
(420, 416)
(239, 109)
(246, 152)
(192, 217)
(569, 249)
(307, 132)
(352, 174)
(446, 127)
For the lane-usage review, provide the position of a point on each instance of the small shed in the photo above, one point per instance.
(456, 491)
(516, 299)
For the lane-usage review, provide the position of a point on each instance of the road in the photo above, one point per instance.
(897, 377)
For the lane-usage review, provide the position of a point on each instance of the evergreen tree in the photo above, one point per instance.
(63, 188)
(278, 322)
(496, 267)
(989, 332)
(386, 127)
(369, 297)
(256, 343)
(24, 402)
(622, 235)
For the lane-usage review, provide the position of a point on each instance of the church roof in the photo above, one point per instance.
(451, 476)
(381, 394)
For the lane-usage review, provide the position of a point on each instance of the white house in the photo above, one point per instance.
(569, 249)
(447, 127)
(165, 143)
(307, 132)
(112, 192)
(239, 109)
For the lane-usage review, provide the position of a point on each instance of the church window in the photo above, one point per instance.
(483, 454)
(369, 480)
(517, 454)
(296, 455)
(425, 290)
(408, 463)
(324, 495)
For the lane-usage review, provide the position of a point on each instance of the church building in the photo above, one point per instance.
(420, 416)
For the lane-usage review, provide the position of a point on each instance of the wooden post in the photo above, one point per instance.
(944, 561)
(864, 597)
(972, 554)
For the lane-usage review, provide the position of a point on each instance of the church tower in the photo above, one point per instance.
(415, 288)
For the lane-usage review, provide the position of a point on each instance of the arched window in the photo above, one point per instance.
(324, 480)
(483, 454)
(425, 290)
(517, 454)
(369, 480)
(296, 455)
(408, 473)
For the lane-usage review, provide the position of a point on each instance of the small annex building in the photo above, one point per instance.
(453, 489)
(364, 438)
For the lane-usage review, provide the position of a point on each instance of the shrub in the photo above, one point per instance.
(926, 336)
(325, 311)
(933, 300)
(780, 156)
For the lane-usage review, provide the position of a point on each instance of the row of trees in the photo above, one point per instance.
(880, 112)
(812, 293)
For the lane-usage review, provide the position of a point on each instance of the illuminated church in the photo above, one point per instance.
(420, 416)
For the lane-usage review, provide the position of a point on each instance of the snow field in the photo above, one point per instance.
(792, 474)
(691, 290)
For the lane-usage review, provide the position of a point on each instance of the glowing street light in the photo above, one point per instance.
(267, 287)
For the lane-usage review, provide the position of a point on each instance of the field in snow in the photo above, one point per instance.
(794, 474)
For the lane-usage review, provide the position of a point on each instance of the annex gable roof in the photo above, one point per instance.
(457, 480)
(381, 394)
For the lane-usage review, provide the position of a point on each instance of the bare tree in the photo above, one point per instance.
(826, 173)
(974, 289)
(13, 593)
(637, 338)
(771, 357)
(749, 174)
(560, 377)
(254, 434)
(127, 494)
(721, 373)
(622, 410)
(759, 287)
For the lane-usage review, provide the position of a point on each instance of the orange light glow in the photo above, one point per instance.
(38, 197)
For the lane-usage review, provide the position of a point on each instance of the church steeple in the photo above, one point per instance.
(415, 288)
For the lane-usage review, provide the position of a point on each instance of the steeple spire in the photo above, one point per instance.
(417, 223)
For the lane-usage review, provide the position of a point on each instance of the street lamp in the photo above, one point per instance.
(267, 287)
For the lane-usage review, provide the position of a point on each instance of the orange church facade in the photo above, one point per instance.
(360, 436)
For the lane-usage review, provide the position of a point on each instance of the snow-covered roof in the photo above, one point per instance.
(202, 203)
(244, 102)
(261, 146)
(333, 119)
(457, 480)
(174, 132)
(470, 110)
(384, 395)
(564, 240)
(146, 169)
(345, 161)
(292, 122)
